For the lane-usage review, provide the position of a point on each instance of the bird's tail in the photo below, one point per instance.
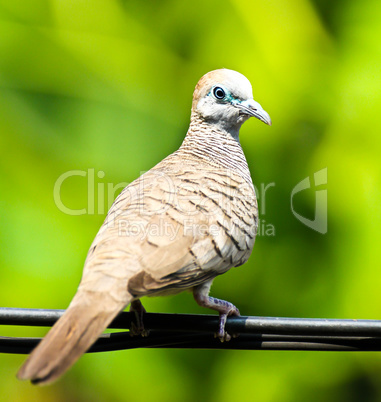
(70, 337)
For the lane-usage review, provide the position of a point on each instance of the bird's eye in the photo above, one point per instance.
(219, 93)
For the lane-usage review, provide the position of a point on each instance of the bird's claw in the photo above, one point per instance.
(222, 335)
(139, 329)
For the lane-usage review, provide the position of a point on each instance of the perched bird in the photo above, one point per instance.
(189, 219)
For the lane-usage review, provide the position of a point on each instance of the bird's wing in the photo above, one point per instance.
(164, 234)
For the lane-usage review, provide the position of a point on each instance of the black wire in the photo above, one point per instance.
(196, 331)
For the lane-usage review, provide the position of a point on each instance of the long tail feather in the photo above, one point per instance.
(70, 337)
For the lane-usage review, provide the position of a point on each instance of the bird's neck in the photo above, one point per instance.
(215, 146)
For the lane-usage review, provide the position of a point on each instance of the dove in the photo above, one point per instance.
(177, 227)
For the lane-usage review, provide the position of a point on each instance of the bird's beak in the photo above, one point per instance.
(252, 108)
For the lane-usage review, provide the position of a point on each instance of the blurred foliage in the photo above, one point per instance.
(107, 85)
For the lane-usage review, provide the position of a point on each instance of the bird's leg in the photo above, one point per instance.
(226, 309)
(138, 328)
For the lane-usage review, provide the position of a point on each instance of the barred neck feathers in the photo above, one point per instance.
(209, 143)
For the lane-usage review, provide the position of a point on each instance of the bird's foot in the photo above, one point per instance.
(225, 309)
(138, 327)
(222, 335)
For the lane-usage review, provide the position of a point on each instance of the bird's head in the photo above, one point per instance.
(225, 98)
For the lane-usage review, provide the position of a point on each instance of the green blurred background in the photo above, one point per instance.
(107, 85)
